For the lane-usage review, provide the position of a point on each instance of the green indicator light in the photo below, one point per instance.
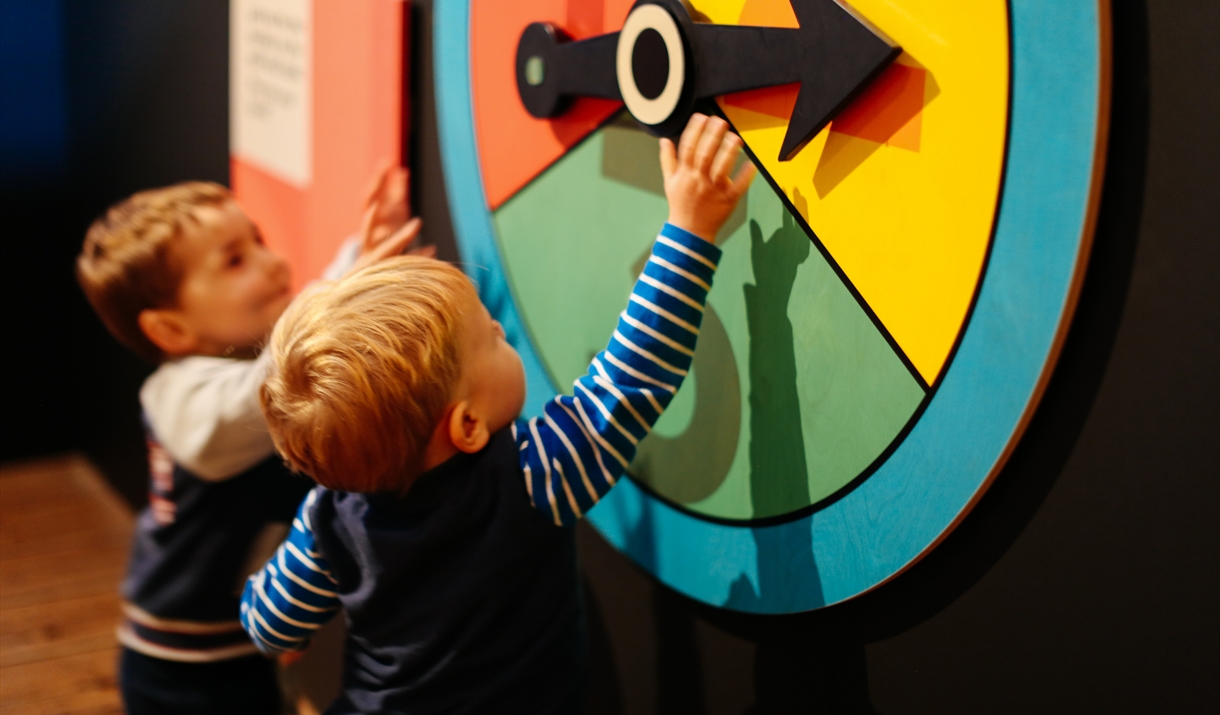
(535, 71)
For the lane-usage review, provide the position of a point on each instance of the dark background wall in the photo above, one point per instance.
(1087, 580)
(100, 99)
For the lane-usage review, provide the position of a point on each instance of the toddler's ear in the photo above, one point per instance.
(167, 330)
(467, 431)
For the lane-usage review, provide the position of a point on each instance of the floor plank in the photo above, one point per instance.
(64, 537)
(72, 684)
(91, 585)
(30, 580)
(64, 540)
(50, 630)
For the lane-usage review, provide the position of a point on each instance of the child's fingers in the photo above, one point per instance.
(745, 175)
(393, 194)
(690, 138)
(423, 252)
(409, 232)
(669, 158)
(726, 156)
(378, 183)
(366, 226)
(397, 242)
(406, 189)
(709, 143)
(396, 186)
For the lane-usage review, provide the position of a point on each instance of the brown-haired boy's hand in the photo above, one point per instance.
(388, 228)
(701, 193)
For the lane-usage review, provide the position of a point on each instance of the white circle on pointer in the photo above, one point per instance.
(650, 17)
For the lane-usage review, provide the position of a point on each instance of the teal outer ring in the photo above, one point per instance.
(933, 478)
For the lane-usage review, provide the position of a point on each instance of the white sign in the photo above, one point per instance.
(270, 80)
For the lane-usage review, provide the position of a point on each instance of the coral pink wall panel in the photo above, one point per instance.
(353, 57)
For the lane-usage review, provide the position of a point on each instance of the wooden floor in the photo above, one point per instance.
(63, 547)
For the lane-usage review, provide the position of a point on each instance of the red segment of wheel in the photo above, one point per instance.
(513, 146)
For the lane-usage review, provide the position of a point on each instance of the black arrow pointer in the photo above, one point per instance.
(834, 54)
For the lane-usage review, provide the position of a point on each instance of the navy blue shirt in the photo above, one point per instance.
(460, 597)
(183, 584)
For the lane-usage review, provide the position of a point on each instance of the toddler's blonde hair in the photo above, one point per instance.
(127, 263)
(362, 371)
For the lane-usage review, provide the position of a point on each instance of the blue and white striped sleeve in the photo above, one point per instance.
(293, 595)
(576, 451)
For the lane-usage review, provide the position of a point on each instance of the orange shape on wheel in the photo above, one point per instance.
(768, 13)
(889, 111)
(513, 146)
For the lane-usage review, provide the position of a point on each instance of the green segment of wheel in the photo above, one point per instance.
(791, 378)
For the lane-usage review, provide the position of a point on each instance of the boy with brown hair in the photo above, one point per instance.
(442, 523)
(182, 277)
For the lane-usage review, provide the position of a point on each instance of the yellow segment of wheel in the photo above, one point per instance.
(904, 203)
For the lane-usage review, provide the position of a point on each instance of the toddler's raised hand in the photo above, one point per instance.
(388, 228)
(386, 208)
(701, 193)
